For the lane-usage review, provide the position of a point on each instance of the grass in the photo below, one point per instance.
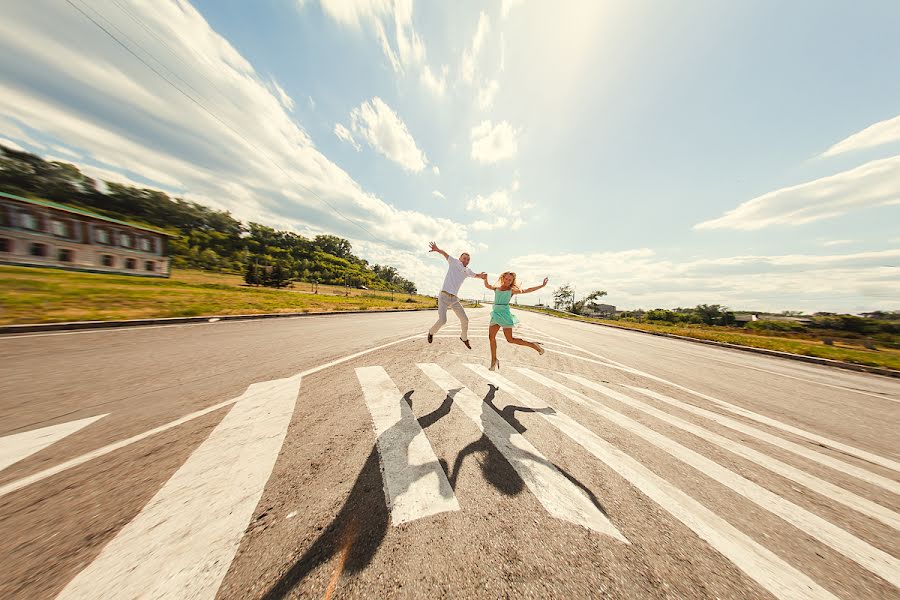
(884, 357)
(33, 295)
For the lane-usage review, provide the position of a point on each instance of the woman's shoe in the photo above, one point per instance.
(495, 366)
(540, 349)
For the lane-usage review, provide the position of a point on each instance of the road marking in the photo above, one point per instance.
(759, 563)
(41, 475)
(415, 485)
(501, 338)
(558, 495)
(183, 541)
(825, 488)
(797, 448)
(14, 448)
(877, 561)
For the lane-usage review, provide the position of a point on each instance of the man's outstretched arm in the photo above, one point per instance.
(434, 248)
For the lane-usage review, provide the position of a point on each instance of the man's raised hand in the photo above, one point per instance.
(433, 247)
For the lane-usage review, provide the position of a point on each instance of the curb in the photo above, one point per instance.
(76, 325)
(828, 362)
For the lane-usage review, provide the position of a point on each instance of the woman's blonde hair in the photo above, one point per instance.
(513, 287)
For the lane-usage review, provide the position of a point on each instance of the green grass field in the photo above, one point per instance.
(29, 295)
(884, 357)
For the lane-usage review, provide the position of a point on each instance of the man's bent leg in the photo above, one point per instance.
(463, 320)
(442, 314)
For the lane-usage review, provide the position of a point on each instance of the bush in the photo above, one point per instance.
(786, 326)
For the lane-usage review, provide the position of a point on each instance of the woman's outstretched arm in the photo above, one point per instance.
(486, 284)
(532, 289)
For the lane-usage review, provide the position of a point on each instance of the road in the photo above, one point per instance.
(344, 456)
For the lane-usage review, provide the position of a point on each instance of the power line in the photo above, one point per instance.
(229, 127)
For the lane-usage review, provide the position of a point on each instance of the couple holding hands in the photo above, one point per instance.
(501, 317)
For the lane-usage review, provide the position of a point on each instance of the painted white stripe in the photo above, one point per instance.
(760, 564)
(818, 457)
(414, 482)
(14, 448)
(829, 490)
(500, 338)
(558, 495)
(183, 541)
(80, 460)
(877, 561)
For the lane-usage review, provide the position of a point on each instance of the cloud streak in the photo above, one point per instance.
(878, 134)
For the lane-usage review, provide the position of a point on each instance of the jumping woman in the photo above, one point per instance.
(501, 316)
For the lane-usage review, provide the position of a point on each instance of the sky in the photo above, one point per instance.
(668, 152)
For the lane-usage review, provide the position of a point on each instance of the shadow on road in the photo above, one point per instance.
(361, 525)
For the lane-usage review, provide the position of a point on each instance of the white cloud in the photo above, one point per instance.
(262, 166)
(435, 170)
(508, 5)
(312, 103)
(498, 210)
(437, 194)
(883, 132)
(876, 183)
(384, 131)
(382, 16)
(487, 94)
(344, 134)
(11, 145)
(640, 279)
(838, 242)
(469, 64)
(430, 81)
(492, 143)
(283, 97)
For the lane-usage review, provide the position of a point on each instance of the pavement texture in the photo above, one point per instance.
(345, 456)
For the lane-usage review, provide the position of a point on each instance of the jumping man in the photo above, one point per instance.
(457, 272)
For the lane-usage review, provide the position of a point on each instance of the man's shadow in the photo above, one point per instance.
(362, 523)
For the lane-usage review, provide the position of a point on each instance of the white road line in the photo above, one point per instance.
(415, 485)
(14, 448)
(877, 561)
(183, 541)
(558, 495)
(501, 338)
(824, 459)
(49, 472)
(829, 490)
(760, 564)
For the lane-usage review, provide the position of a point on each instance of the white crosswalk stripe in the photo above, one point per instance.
(414, 481)
(19, 446)
(183, 541)
(827, 489)
(879, 562)
(766, 568)
(558, 495)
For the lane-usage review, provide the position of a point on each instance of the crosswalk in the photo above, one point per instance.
(182, 543)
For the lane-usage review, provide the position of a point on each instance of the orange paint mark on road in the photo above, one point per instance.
(347, 541)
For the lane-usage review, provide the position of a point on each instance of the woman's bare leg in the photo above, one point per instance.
(492, 338)
(507, 331)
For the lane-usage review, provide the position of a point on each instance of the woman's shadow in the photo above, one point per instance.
(361, 525)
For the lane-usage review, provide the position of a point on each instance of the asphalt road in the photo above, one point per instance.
(344, 456)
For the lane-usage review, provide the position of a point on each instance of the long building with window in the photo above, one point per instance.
(40, 233)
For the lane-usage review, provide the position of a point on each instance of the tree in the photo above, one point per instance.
(563, 296)
(251, 276)
(590, 300)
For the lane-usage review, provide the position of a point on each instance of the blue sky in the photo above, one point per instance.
(671, 153)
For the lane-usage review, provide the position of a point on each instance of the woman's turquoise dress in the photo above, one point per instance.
(500, 314)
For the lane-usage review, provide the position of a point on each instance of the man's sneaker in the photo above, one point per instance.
(430, 337)
(466, 342)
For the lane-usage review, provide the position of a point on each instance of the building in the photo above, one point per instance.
(599, 310)
(40, 233)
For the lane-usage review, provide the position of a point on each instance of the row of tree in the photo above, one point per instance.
(564, 299)
(206, 238)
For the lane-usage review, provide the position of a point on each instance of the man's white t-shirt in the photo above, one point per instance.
(456, 274)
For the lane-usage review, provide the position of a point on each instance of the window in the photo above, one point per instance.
(150, 265)
(102, 236)
(125, 240)
(60, 228)
(37, 250)
(130, 263)
(5, 245)
(107, 260)
(29, 221)
(146, 245)
(65, 255)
